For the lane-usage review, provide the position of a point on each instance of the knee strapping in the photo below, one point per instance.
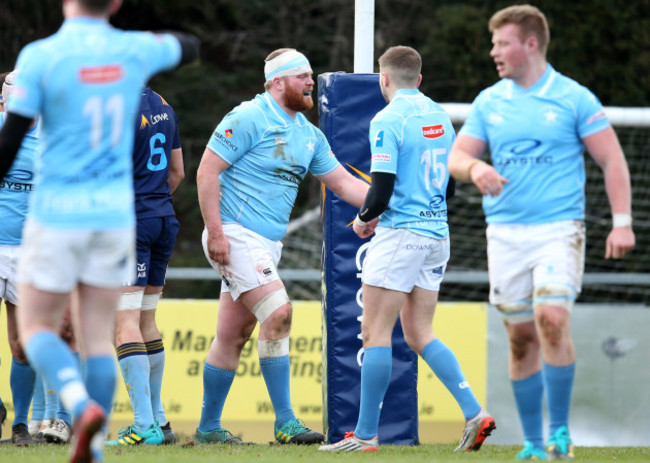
(554, 294)
(130, 301)
(270, 303)
(516, 312)
(277, 348)
(150, 301)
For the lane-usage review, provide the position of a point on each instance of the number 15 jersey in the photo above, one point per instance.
(411, 138)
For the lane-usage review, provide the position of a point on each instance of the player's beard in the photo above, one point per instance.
(297, 101)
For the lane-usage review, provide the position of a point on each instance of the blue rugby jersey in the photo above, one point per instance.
(535, 140)
(85, 81)
(156, 136)
(16, 188)
(269, 154)
(411, 138)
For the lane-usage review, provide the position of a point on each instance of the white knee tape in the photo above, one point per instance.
(269, 304)
(277, 348)
(516, 312)
(150, 301)
(130, 301)
(554, 294)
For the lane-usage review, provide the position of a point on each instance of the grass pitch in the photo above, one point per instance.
(273, 453)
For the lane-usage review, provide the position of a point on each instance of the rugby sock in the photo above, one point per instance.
(156, 354)
(38, 399)
(134, 363)
(444, 364)
(62, 413)
(375, 377)
(216, 384)
(276, 372)
(21, 381)
(51, 401)
(558, 383)
(529, 394)
(48, 354)
(100, 376)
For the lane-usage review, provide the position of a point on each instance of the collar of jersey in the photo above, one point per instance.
(277, 109)
(84, 21)
(406, 92)
(538, 88)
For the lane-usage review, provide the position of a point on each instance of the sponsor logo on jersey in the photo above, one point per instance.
(381, 157)
(144, 122)
(101, 74)
(293, 175)
(379, 139)
(219, 136)
(436, 201)
(228, 133)
(433, 131)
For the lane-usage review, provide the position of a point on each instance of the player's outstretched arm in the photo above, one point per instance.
(605, 149)
(351, 189)
(190, 45)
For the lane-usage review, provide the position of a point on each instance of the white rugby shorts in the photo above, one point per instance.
(253, 260)
(399, 259)
(56, 260)
(523, 257)
(9, 256)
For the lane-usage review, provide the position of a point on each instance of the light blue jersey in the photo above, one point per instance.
(16, 187)
(85, 81)
(411, 138)
(269, 154)
(535, 140)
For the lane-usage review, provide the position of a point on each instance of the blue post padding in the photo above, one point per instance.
(347, 103)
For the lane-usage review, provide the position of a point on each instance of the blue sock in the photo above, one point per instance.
(529, 394)
(62, 414)
(277, 372)
(444, 364)
(216, 384)
(21, 381)
(156, 354)
(100, 376)
(49, 355)
(38, 399)
(558, 383)
(51, 401)
(375, 377)
(134, 364)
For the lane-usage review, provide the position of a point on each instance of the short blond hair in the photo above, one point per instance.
(531, 22)
(403, 64)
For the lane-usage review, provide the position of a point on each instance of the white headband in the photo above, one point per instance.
(289, 63)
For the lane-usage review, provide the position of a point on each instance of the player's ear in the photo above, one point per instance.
(385, 78)
(419, 81)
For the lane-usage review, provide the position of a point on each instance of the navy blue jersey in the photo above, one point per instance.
(156, 136)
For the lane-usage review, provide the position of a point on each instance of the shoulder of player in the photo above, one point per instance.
(566, 86)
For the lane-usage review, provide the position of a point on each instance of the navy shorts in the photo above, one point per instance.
(156, 237)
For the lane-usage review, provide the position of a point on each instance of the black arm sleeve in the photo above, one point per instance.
(190, 46)
(378, 197)
(11, 137)
(451, 188)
